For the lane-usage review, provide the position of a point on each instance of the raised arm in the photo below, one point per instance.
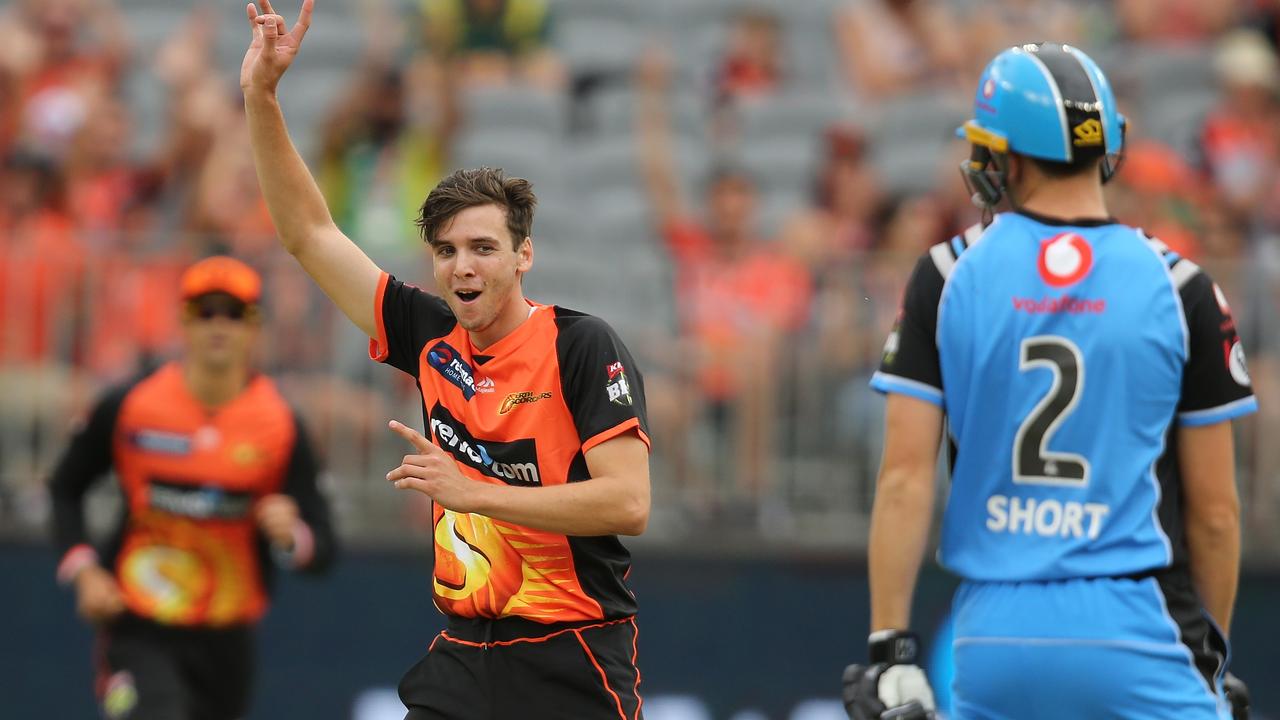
(298, 209)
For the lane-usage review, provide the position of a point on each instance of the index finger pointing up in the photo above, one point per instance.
(415, 438)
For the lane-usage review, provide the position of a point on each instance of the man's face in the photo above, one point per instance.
(219, 331)
(732, 201)
(477, 269)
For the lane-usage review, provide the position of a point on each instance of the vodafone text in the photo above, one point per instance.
(1045, 517)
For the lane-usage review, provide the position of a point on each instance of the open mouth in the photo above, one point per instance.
(467, 296)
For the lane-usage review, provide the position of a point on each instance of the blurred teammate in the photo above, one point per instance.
(219, 486)
(1087, 376)
(536, 455)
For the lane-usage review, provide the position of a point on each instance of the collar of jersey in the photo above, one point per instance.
(513, 339)
(1066, 222)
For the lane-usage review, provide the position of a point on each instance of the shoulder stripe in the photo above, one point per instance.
(944, 259)
(973, 233)
(1182, 271)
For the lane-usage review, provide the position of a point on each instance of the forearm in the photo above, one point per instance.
(297, 206)
(1213, 545)
(900, 522)
(599, 506)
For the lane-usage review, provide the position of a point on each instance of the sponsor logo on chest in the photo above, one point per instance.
(514, 462)
(447, 361)
(202, 502)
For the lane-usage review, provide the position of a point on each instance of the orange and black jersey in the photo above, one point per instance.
(522, 412)
(187, 550)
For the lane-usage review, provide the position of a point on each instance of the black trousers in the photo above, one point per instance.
(149, 671)
(516, 668)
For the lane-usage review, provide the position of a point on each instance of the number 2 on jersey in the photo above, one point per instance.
(1033, 462)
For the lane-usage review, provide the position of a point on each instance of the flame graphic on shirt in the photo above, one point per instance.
(462, 568)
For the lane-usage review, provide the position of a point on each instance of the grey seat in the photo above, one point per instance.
(513, 108)
(788, 114)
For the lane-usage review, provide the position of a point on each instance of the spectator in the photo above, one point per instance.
(488, 42)
(1174, 21)
(751, 64)
(1241, 137)
(55, 72)
(376, 153)
(845, 194)
(1159, 193)
(895, 47)
(737, 299)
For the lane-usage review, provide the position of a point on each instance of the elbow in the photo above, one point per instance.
(634, 518)
(1215, 524)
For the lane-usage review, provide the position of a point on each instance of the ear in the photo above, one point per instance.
(1016, 168)
(524, 255)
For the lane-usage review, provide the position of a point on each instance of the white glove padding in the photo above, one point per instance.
(900, 684)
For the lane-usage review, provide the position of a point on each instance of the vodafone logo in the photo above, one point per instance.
(988, 88)
(1065, 259)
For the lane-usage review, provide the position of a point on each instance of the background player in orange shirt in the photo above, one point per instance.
(538, 456)
(219, 485)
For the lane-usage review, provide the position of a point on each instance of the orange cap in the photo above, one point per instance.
(222, 274)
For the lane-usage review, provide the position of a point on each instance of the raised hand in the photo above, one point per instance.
(272, 49)
(434, 473)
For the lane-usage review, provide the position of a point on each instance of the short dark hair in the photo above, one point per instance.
(475, 187)
(1084, 161)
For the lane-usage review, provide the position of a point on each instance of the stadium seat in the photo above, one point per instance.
(596, 46)
(925, 117)
(782, 163)
(789, 114)
(513, 108)
(530, 155)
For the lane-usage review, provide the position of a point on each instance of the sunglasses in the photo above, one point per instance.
(211, 310)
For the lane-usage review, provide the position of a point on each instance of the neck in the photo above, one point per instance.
(512, 316)
(215, 387)
(1065, 198)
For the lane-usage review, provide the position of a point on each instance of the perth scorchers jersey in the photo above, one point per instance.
(521, 412)
(1064, 355)
(188, 550)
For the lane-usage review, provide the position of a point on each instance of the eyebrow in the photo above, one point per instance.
(469, 241)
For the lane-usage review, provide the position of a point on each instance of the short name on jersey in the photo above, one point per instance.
(1045, 517)
(202, 502)
(514, 462)
(448, 362)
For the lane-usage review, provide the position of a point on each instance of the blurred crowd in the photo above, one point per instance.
(740, 187)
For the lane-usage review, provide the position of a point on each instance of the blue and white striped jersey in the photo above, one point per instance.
(1064, 353)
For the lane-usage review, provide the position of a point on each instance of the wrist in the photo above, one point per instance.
(485, 498)
(893, 647)
(259, 95)
(75, 562)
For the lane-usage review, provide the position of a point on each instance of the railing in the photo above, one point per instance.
(789, 465)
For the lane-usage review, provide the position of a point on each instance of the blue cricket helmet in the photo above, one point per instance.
(1047, 101)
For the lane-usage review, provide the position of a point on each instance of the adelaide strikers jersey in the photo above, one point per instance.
(521, 412)
(188, 550)
(1064, 355)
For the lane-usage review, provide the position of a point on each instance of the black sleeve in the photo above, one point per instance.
(1215, 380)
(301, 484)
(86, 460)
(408, 318)
(602, 385)
(910, 358)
